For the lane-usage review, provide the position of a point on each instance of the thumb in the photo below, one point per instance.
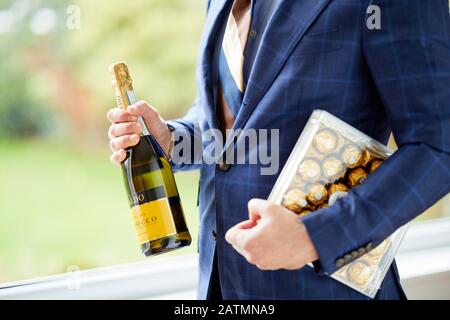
(258, 208)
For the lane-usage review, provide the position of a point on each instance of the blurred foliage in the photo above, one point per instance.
(61, 201)
(24, 102)
(58, 83)
(159, 39)
(22, 112)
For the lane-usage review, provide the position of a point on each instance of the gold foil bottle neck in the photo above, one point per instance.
(121, 76)
(122, 83)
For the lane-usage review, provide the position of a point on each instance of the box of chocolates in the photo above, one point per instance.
(329, 159)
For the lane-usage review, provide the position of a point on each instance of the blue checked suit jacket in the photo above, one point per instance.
(320, 54)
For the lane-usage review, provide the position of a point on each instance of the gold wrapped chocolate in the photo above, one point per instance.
(367, 157)
(295, 196)
(304, 213)
(332, 168)
(323, 206)
(352, 156)
(380, 249)
(317, 194)
(371, 260)
(337, 187)
(356, 176)
(310, 170)
(294, 207)
(359, 272)
(298, 182)
(325, 141)
(374, 165)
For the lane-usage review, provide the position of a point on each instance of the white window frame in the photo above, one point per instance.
(423, 261)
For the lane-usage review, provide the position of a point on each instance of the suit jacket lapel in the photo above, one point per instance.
(285, 29)
(205, 81)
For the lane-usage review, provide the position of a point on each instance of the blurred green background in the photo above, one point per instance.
(61, 201)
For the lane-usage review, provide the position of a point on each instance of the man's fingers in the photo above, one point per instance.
(258, 208)
(117, 115)
(118, 156)
(236, 235)
(243, 239)
(247, 224)
(235, 232)
(245, 254)
(232, 235)
(125, 128)
(123, 142)
(253, 209)
(143, 109)
(266, 267)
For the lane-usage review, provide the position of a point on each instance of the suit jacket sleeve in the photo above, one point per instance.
(409, 60)
(186, 153)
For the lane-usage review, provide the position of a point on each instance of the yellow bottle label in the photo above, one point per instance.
(153, 220)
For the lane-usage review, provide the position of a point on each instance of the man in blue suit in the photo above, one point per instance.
(380, 65)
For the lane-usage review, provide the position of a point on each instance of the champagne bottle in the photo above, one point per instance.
(154, 200)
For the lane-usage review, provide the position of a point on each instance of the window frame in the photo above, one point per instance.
(425, 241)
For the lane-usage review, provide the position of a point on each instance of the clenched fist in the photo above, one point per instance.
(272, 238)
(125, 128)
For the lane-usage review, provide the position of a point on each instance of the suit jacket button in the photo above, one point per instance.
(361, 252)
(340, 263)
(369, 246)
(223, 166)
(214, 235)
(347, 258)
(354, 255)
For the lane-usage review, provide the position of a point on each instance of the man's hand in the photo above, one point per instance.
(273, 238)
(124, 130)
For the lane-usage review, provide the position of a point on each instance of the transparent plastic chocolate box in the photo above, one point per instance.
(329, 159)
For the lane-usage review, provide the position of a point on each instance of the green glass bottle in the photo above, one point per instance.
(152, 192)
